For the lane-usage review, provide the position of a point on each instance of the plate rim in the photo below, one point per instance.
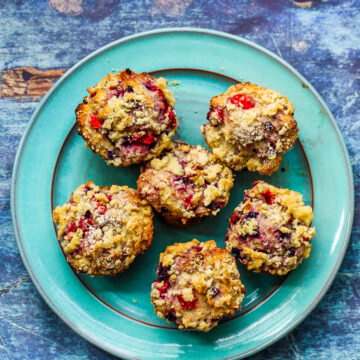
(215, 33)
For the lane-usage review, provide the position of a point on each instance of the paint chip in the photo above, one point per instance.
(135, 301)
(175, 83)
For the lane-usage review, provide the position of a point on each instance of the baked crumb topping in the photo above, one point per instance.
(127, 118)
(186, 182)
(102, 230)
(197, 285)
(270, 231)
(250, 127)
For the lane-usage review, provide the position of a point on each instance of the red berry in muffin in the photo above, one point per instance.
(127, 118)
(270, 230)
(102, 230)
(250, 127)
(198, 284)
(185, 184)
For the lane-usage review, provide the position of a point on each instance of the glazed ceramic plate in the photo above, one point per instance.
(115, 313)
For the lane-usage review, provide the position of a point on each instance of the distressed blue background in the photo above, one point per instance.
(322, 41)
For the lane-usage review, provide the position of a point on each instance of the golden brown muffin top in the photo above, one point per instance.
(102, 230)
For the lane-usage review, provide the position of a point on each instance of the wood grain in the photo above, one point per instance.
(27, 82)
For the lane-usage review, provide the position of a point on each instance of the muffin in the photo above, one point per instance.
(102, 230)
(270, 230)
(250, 127)
(127, 118)
(197, 285)
(185, 184)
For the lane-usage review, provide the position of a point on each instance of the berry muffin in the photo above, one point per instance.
(250, 127)
(102, 230)
(127, 118)
(270, 230)
(185, 184)
(197, 285)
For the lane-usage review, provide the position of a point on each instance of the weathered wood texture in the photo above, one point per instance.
(41, 38)
(27, 82)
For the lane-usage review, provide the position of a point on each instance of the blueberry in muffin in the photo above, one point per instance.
(185, 184)
(250, 127)
(197, 285)
(127, 118)
(102, 230)
(270, 231)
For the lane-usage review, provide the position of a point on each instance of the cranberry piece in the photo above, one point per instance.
(109, 197)
(150, 86)
(172, 118)
(246, 101)
(116, 91)
(129, 88)
(148, 139)
(163, 289)
(162, 272)
(183, 164)
(268, 196)
(101, 209)
(197, 248)
(188, 199)
(179, 178)
(70, 228)
(220, 113)
(85, 221)
(83, 225)
(128, 71)
(95, 122)
(160, 105)
(234, 218)
(186, 304)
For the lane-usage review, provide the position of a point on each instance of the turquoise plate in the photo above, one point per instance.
(115, 313)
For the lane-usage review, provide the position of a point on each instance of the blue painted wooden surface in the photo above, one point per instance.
(322, 41)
